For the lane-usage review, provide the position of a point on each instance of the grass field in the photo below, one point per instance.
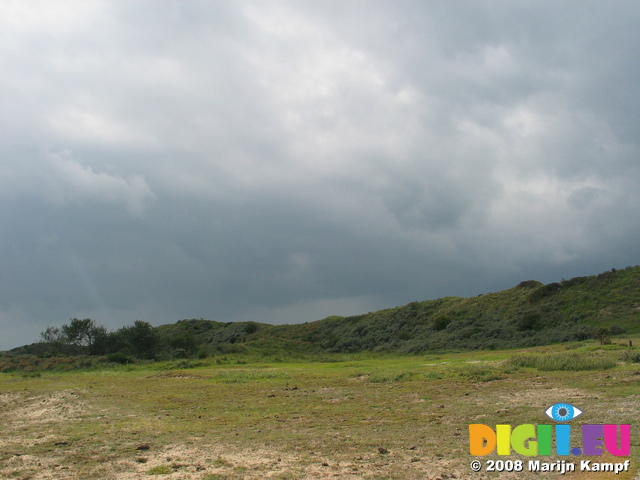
(342, 416)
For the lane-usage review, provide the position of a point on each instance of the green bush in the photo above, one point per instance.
(481, 373)
(544, 291)
(529, 284)
(182, 364)
(250, 327)
(440, 323)
(119, 357)
(160, 470)
(179, 353)
(631, 356)
(530, 321)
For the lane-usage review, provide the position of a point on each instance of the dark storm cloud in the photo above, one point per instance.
(286, 161)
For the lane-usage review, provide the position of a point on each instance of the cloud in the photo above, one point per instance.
(232, 161)
(69, 181)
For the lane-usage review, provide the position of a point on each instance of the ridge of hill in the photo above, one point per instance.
(526, 315)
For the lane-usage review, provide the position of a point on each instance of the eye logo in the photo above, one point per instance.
(562, 412)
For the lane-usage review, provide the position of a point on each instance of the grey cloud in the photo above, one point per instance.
(165, 160)
(583, 197)
(71, 181)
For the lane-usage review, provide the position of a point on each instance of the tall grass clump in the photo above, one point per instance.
(481, 373)
(244, 376)
(391, 378)
(562, 362)
(631, 356)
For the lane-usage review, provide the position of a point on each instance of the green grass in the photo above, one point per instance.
(160, 470)
(313, 418)
(563, 362)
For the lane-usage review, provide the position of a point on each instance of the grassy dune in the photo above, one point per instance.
(358, 416)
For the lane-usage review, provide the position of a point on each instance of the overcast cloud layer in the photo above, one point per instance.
(284, 161)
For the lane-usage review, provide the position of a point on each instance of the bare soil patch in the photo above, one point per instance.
(33, 447)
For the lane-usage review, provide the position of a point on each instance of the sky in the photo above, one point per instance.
(285, 161)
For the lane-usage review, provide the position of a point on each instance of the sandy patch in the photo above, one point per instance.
(29, 453)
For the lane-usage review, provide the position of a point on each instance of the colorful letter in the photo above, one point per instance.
(503, 432)
(544, 439)
(563, 438)
(610, 440)
(592, 439)
(482, 439)
(525, 433)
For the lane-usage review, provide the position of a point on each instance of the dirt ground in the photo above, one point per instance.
(296, 422)
(30, 424)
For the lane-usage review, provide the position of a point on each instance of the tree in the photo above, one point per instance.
(56, 340)
(53, 335)
(79, 336)
(602, 334)
(101, 341)
(184, 341)
(85, 333)
(140, 339)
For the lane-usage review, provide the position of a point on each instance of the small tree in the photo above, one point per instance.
(56, 340)
(139, 339)
(85, 333)
(602, 334)
(79, 336)
(53, 335)
(101, 341)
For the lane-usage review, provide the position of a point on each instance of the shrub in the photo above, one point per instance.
(602, 335)
(160, 470)
(440, 323)
(119, 357)
(544, 291)
(182, 364)
(574, 281)
(631, 356)
(226, 348)
(403, 335)
(617, 330)
(530, 321)
(250, 327)
(179, 353)
(529, 284)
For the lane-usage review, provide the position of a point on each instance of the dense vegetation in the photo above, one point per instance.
(528, 314)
